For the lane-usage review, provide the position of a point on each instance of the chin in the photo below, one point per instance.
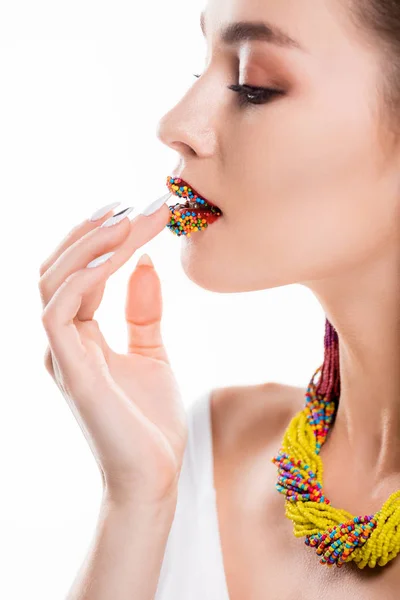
(212, 267)
(209, 270)
(201, 269)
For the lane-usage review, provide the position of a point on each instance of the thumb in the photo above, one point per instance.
(143, 311)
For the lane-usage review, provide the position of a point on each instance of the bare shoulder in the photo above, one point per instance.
(246, 411)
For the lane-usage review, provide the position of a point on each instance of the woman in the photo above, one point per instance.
(307, 175)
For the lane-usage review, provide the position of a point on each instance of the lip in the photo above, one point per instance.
(192, 195)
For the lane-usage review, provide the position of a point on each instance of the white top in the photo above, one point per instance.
(193, 567)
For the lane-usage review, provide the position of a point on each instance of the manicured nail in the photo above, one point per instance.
(153, 206)
(99, 260)
(145, 260)
(117, 217)
(103, 211)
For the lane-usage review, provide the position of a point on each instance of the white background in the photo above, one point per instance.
(82, 87)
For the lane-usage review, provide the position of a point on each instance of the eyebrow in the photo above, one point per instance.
(242, 31)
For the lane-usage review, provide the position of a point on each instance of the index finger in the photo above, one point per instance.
(77, 232)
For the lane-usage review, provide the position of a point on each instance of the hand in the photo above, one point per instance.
(129, 405)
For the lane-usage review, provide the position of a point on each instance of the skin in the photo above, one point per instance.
(309, 184)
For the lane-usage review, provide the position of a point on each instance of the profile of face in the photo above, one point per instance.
(302, 172)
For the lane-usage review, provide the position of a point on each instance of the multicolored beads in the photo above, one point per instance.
(193, 216)
(337, 536)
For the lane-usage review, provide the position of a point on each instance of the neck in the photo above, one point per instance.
(361, 371)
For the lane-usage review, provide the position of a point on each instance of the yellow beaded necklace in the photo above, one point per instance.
(336, 534)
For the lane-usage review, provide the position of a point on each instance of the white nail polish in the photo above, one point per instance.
(99, 260)
(153, 206)
(103, 211)
(117, 217)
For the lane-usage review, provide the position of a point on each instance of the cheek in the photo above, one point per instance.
(294, 147)
(306, 185)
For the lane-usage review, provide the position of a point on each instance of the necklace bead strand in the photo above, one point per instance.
(337, 536)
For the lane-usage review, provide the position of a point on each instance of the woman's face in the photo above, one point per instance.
(305, 181)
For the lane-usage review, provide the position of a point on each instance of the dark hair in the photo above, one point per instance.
(378, 21)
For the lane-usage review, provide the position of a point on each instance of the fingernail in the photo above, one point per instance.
(145, 260)
(99, 260)
(117, 217)
(153, 206)
(103, 211)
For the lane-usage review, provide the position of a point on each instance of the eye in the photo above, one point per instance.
(252, 95)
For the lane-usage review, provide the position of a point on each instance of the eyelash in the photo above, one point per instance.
(261, 95)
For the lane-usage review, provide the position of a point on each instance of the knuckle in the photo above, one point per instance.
(42, 287)
(43, 268)
(48, 361)
(72, 276)
(46, 319)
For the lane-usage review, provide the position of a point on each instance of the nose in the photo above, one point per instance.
(171, 133)
(173, 139)
(187, 127)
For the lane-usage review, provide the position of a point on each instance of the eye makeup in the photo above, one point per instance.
(249, 94)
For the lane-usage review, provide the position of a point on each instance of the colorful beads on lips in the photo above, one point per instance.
(196, 214)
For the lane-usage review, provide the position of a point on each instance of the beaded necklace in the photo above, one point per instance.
(336, 534)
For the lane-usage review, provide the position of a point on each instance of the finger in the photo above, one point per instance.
(76, 256)
(48, 361)
(140, 230)
(143, 313)
(132, 235)
(75, 234)
(92, 300)
(65, 343)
